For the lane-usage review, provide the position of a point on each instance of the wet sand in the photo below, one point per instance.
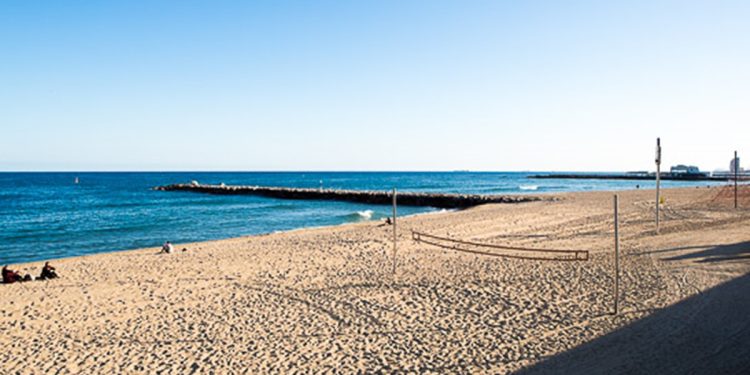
(326, 300)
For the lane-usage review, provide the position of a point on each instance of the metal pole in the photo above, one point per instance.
(617, 251)
(736, 163)
(394, 231)
(658, 180)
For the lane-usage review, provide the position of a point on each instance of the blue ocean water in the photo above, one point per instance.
(47, 215)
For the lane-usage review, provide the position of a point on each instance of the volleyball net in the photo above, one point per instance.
(496, 250)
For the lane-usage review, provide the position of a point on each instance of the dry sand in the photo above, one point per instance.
(325, 300)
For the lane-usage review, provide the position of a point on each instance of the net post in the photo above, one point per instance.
(394, 231)
(658, 180)
(736, 163)
(617, 253)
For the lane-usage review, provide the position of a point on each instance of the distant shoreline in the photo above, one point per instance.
(670, 177)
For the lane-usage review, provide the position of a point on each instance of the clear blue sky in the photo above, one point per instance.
(372, 85)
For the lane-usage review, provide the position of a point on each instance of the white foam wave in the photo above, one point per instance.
(365, 215)
(528, 187)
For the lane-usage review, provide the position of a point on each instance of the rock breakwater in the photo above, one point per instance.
(438, 200)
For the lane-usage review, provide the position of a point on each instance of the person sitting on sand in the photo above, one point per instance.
(167, 248)
(48, 272)
(10, 276)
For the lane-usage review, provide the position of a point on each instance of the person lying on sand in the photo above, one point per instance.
(167, 248)
(386, 222)
(10, 276)
(48, 272)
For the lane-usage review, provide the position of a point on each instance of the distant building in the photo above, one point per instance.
(685, 169)
(734, 164)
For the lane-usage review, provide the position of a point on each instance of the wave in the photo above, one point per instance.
(366, 214)
(528, 187)
(360, 216)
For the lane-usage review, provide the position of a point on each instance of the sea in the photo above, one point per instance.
(62, 214)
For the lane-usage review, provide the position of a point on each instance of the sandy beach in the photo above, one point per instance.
(325, 300)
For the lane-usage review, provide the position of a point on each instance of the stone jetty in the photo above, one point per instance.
(358, 196)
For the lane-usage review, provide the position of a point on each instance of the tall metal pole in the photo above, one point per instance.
(658, 180)
(617, 251)
(736, 163)
(394, 231)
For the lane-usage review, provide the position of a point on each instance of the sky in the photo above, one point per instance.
(372, 85)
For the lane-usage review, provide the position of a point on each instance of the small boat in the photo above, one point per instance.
(76, 181)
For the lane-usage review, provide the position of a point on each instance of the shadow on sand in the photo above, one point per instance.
(708, 253)
(737, 251)
(708, 333)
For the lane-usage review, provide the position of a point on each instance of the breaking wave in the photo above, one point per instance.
(360, 216)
